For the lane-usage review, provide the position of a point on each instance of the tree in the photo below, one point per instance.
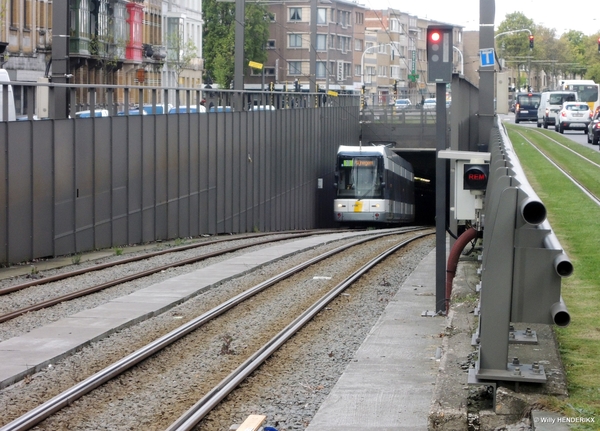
(219, 38)
(180, 53)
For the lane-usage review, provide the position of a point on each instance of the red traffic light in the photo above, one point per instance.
(530, 41)
(435, 36)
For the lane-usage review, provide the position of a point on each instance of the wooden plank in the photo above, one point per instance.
(252, 423)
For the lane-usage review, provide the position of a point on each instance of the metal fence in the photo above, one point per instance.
(80, 184)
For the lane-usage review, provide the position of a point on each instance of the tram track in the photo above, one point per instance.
(593, 197)
(118, 368)
(6, 316)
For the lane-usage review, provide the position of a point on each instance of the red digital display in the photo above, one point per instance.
(475, 177)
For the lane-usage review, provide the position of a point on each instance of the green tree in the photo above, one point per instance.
(219, 38)
(180, 53)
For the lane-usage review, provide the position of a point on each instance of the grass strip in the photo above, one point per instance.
(575, 221)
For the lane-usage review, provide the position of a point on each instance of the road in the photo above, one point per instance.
(574, 135)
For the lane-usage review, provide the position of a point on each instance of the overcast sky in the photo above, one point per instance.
(466, 13)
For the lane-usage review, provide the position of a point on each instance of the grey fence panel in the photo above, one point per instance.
(203, 178)
(119, 176)
(64, 209)
(175, 123)
(229, 183)
(186, 138)
(194, 164)
(148, 157)
(84, 180)
(43, 190)
(4, 182)
(20, 217)
(233, 136)
(102, 205)
(132, 126)
(212, 170)
(161, 176)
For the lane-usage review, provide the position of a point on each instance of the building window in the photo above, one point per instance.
(357, 70)
(395, 26)
(382, 71)
(395, 72)
(295, 41)
(321, 42)
(358, 45)
(269, 71)
(382, 49)
(321, 70)
(321, 16)
(359, 17)
(294, 68)
(295, 14)
(270, 44)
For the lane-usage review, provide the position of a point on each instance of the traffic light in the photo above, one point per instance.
(599, 44)
(439, 53)
(530, 41)
(296, 85)
(395, 86)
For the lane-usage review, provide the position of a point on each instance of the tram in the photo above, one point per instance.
(374, 185)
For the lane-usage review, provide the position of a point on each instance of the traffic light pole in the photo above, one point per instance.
(440, 199)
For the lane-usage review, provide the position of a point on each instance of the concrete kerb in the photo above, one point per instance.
(458, 406)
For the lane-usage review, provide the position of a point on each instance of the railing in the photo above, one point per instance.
(522, 267)
(34, 101)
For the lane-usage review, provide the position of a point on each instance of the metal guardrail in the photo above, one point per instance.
(522, 267)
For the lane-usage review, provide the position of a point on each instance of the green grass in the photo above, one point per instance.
(575, 220)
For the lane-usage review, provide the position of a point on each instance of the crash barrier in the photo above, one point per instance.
(522, 267)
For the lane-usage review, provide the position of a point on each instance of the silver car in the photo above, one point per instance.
(573, 116)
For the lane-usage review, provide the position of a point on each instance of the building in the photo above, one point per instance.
(339, 43)
(116, 42)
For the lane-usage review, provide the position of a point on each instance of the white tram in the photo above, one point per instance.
(373, 185)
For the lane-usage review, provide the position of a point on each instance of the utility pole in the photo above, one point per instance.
(60, 58)
(487, 13)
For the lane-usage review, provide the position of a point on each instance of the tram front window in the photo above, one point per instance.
(358, 178)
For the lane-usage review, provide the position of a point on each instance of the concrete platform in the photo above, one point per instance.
(390, 383)
(29, 353)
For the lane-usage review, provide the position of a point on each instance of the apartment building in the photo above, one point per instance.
(110, 42)
(339, 43)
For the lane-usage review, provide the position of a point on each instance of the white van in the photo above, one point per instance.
(12, 116)
(550, 104)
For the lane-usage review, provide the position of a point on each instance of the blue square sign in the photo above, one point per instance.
(486, 57)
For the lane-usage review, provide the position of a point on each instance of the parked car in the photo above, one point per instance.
(593, 131)
(402, 103)
(12, 116)
(220, 109)
(88, 114)
(550, 103)
(159, 109)
(184, 109)
(573, 116)
(132, 112)
(263, 108)
(526, 106)
(429, 104)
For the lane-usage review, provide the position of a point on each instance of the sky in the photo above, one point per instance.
(466, 13)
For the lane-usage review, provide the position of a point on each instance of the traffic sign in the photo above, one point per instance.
(486, 57)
